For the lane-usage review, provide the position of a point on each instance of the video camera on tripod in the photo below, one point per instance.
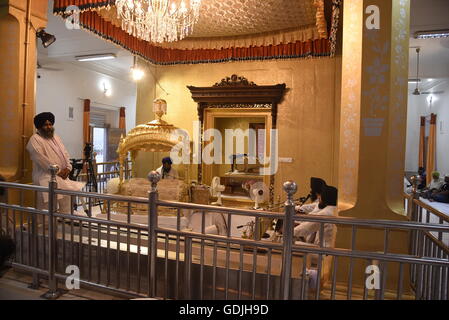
(78, 165)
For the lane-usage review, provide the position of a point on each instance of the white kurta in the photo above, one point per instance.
(44, 153)
(308, 208)
(172, 174)
(435, 184)
(308, 228)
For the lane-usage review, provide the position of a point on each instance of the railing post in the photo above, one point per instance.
(35, 284)
(416, 181)
(413, 215)
(154, 178)
(53, 292)
(287, 235)
(187, 268)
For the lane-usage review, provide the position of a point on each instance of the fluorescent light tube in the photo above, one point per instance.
(95, 57)
(432, 34)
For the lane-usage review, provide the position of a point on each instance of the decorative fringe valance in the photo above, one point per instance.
(60, 6)
(315, 46)
(336, 4)
(266, 39)
(302, 34)
(157, 55)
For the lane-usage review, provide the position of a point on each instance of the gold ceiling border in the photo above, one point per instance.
(255, 40)
(60, 6)
(291, 35)
(94, 23)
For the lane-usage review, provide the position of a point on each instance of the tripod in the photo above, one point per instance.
(78, 165)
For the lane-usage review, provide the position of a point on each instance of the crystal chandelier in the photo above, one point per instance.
(158, 20)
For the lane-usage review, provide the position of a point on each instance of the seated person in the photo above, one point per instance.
(309, 232)
(434, 186)
(422, 174)
(436, 182)
(166, 171)
(316, 185)
(441, 195)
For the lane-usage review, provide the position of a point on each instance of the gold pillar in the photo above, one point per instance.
(19, 20)
(373, 124)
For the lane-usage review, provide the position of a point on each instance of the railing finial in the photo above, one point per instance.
(53, 171)
(290, 187)
(154, 178)
(416, 181)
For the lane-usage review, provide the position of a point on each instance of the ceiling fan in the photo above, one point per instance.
(417, 92)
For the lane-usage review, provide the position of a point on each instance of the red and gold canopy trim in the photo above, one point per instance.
(60, 6)
(90, 20)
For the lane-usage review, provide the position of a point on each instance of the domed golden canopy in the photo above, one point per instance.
(154, 136)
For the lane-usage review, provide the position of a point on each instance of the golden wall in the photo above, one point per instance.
(18, 84)
(308, 116)
(146, 92)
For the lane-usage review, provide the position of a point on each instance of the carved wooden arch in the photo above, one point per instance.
(235, 92)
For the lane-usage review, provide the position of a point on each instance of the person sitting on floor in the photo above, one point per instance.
(308, 231)
(434, 186)
(436, 182)
(443, 194)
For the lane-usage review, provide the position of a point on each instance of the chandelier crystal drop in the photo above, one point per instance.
(158, 20)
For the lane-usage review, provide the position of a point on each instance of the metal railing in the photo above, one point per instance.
(428, 243)
(148, 260)
(104, 171)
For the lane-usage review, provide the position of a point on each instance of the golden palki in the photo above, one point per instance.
(158, 20)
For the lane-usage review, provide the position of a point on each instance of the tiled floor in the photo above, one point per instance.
(14, 286)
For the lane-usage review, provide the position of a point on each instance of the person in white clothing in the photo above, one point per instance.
(436, 182)
(433, 187)
(308, 231)
(166, 171)
(316, 185)
(46, 149)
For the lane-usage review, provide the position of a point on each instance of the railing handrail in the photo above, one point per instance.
(102, 196)
(15, 185)
(287, 248)
(254, 213)
(374, 223)
(204, 207)
(322, 219)
(111, 162)
(431, 209)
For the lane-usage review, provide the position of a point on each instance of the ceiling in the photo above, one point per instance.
(232, 17)
(434, 55)
(71, 43)
(243, 17)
